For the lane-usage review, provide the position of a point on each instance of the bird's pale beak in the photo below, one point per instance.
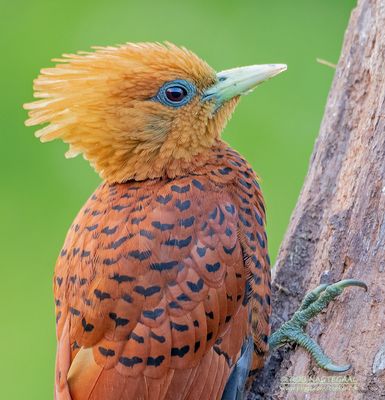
(238, 81)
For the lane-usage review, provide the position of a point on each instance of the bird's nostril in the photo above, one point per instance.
(222, 78)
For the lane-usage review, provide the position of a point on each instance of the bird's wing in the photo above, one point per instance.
(150, 278)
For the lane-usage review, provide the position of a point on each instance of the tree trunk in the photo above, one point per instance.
(337, 231)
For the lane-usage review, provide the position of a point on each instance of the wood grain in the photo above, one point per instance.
(337, 230)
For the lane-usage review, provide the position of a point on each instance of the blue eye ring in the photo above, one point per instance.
(176, 93)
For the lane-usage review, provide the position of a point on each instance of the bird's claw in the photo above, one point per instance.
(315, 301)
(337, 368)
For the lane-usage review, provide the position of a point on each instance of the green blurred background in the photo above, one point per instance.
(41, 192)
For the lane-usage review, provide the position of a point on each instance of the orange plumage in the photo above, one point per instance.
(164, 274)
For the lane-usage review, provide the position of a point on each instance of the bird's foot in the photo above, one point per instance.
(315, 301)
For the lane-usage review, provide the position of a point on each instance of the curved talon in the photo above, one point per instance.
(351, 282)
(315, 301)
(337, 368)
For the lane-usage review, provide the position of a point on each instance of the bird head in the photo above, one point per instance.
(139, 111)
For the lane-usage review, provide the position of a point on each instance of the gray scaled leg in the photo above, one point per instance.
(315, 301)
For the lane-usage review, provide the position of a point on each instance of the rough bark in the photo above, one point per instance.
(337, 230)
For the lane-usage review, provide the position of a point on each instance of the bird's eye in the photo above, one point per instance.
(175, 93)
